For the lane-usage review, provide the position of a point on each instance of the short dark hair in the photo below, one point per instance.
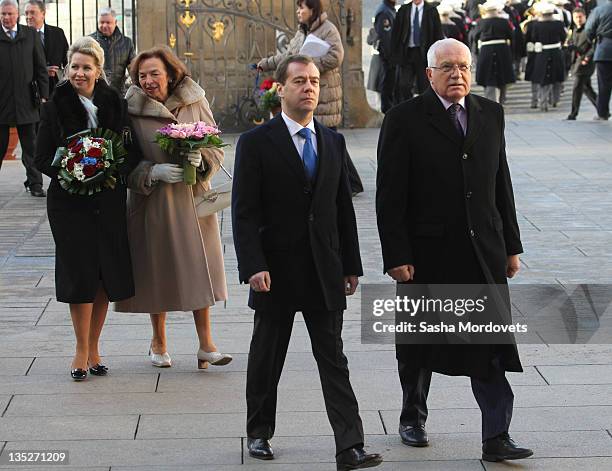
(39, 3)
(579, 10)
(315, 6)
(281, 71)
(176, 70)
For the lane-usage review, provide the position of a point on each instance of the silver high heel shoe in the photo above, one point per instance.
(160, 360)
(214, 358)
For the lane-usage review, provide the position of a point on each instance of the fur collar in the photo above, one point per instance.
(72, 115)
(186, 93)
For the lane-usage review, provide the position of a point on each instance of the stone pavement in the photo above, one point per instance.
(142, 418)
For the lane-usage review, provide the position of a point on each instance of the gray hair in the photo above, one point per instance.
(9, 3)
(441, 44)
(38, 3)
(107, 11)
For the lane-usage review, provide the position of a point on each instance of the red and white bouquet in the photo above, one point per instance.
(181, 138)
(89, 162)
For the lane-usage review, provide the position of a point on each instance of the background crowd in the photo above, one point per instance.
(545, 42)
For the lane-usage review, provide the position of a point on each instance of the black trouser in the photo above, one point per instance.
(493, 395)
(387, 85)
(27, 138)
(411, 78)
(582, 84)
(271, 334)
(604, 84)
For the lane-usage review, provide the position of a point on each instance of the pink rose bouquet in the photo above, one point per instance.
(181, 138)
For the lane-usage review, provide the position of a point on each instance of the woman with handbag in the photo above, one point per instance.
(177, 257)
(87, 217)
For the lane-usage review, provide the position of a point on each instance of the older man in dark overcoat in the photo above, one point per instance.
(446, 215)
(23, 82)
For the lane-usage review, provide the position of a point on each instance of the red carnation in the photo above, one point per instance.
(77, 147)
(73, 142)
(100, 164)
(94, 152)
(89, 170)
(77, 158)
(267, 84)
(70, 165)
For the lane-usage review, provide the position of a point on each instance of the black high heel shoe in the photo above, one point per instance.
(98, 370)
(78, 374)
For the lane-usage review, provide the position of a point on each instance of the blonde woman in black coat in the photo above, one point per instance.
(92, 261)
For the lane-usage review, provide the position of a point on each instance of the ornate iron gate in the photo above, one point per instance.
(219, 40)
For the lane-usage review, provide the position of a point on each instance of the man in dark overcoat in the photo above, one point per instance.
(446, 215)
(52, 38)
(583, 65)
(23, 78)
(417, 26)
(296, 242)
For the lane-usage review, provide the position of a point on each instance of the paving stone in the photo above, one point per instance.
(64, 384)
(303, 424)
(87, 426)
(524, 419)
(574, 374)
(14, 366)
(141, 452)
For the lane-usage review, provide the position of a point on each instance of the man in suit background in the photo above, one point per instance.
(23, 70)
(52, 38)
(417, 26)
(446, 215)
(296, 242)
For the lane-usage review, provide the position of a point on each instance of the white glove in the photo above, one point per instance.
(169, 173)
(195, 158)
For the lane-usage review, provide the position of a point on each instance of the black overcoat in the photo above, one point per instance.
(90, 232)
(431, 31)
(304, 235)
(56, 50)
(494, 66)
(447, 207)
(22, 61)
(549, 65)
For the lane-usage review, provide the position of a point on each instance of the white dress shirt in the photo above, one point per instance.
(461, 114)
(298, 140)
(415, 10)
(6, 31)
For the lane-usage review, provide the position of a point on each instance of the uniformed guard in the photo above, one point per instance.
(493, 36)
(548, 36)
(449, 27)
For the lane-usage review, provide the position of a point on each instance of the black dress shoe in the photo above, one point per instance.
(36, 191)
(503, 448)
(98, 370)
(260, 448)
(571, 117)
(78, 374)
(357, 458)
(413, 436)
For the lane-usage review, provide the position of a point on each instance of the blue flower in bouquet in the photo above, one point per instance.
(89, 161)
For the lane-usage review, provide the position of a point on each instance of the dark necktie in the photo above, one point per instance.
(453, 113)
(42, 37)
(11, 34)
(416, 28)
(308, 154)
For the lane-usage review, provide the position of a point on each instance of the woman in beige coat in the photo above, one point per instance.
(314, 21)
(177, 258)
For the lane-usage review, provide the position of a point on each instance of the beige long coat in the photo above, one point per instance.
(329, 110)
(177, 259)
